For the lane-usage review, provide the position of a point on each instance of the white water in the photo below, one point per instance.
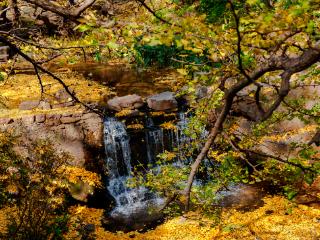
(129, 201)
(133, 201)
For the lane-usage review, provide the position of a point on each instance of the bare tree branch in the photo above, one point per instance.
(72, 14)
(39, 67)
(142, 2)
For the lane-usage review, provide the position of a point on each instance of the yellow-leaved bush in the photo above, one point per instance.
(34, 187)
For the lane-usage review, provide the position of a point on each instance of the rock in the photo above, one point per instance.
(6, 121)
(72, 133)
(63, 96)
(53, 119)
(92, 124)
(27, 120)
(163, 101)
(201, 92)
(68, 114)
(78, 134)
(62, 105)
(30, 13)
(130, 102)
(90, 115)
(69, 119)
(188, 96)
(32, 104)
(29, 105)
(44, 105)
(309, 193)
(40, 118)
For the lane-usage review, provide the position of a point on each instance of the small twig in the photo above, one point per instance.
(299, 111)
(49, 59)
(235, 147)
(84, 54)
(279, 159)
(142, 2)
(189, 63)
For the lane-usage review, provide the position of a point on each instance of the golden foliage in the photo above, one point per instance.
(289, 134)
(124, 112)
(81, 215)
(278, 219)
(157, 114)
(26, 87)
(168, 125)
(3, 220)
(135, 126)
(76, 174)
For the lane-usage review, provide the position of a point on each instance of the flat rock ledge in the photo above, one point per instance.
(79, 134)
(164, 101)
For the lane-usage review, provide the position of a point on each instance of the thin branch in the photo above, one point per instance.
(279, 159)
(142, 2)
(189, 63)
(239, 39)
(39, 67)
(299, 110)
(39, 79)
(88, 3)
(236, 148)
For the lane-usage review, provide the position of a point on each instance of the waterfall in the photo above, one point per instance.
(119, 163)
(129, 201)
(154, 139)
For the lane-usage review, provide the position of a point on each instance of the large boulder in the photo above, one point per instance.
(133, 101)
(162, 102)
(78, 134)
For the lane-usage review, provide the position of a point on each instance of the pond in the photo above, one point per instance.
(127, 80)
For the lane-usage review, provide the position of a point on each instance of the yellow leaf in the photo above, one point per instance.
(182, 71)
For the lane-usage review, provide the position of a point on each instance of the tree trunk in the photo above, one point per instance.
(211, 138)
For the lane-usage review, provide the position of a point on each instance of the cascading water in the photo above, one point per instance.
(154, 139)
(129, 201)
(126, 151)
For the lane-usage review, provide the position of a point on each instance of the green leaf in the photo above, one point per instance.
(112, 45)
(83, 28)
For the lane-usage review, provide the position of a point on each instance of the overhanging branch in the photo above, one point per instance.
(72, 14)
(38, 67)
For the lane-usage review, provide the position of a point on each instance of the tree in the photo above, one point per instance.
(279, 57)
